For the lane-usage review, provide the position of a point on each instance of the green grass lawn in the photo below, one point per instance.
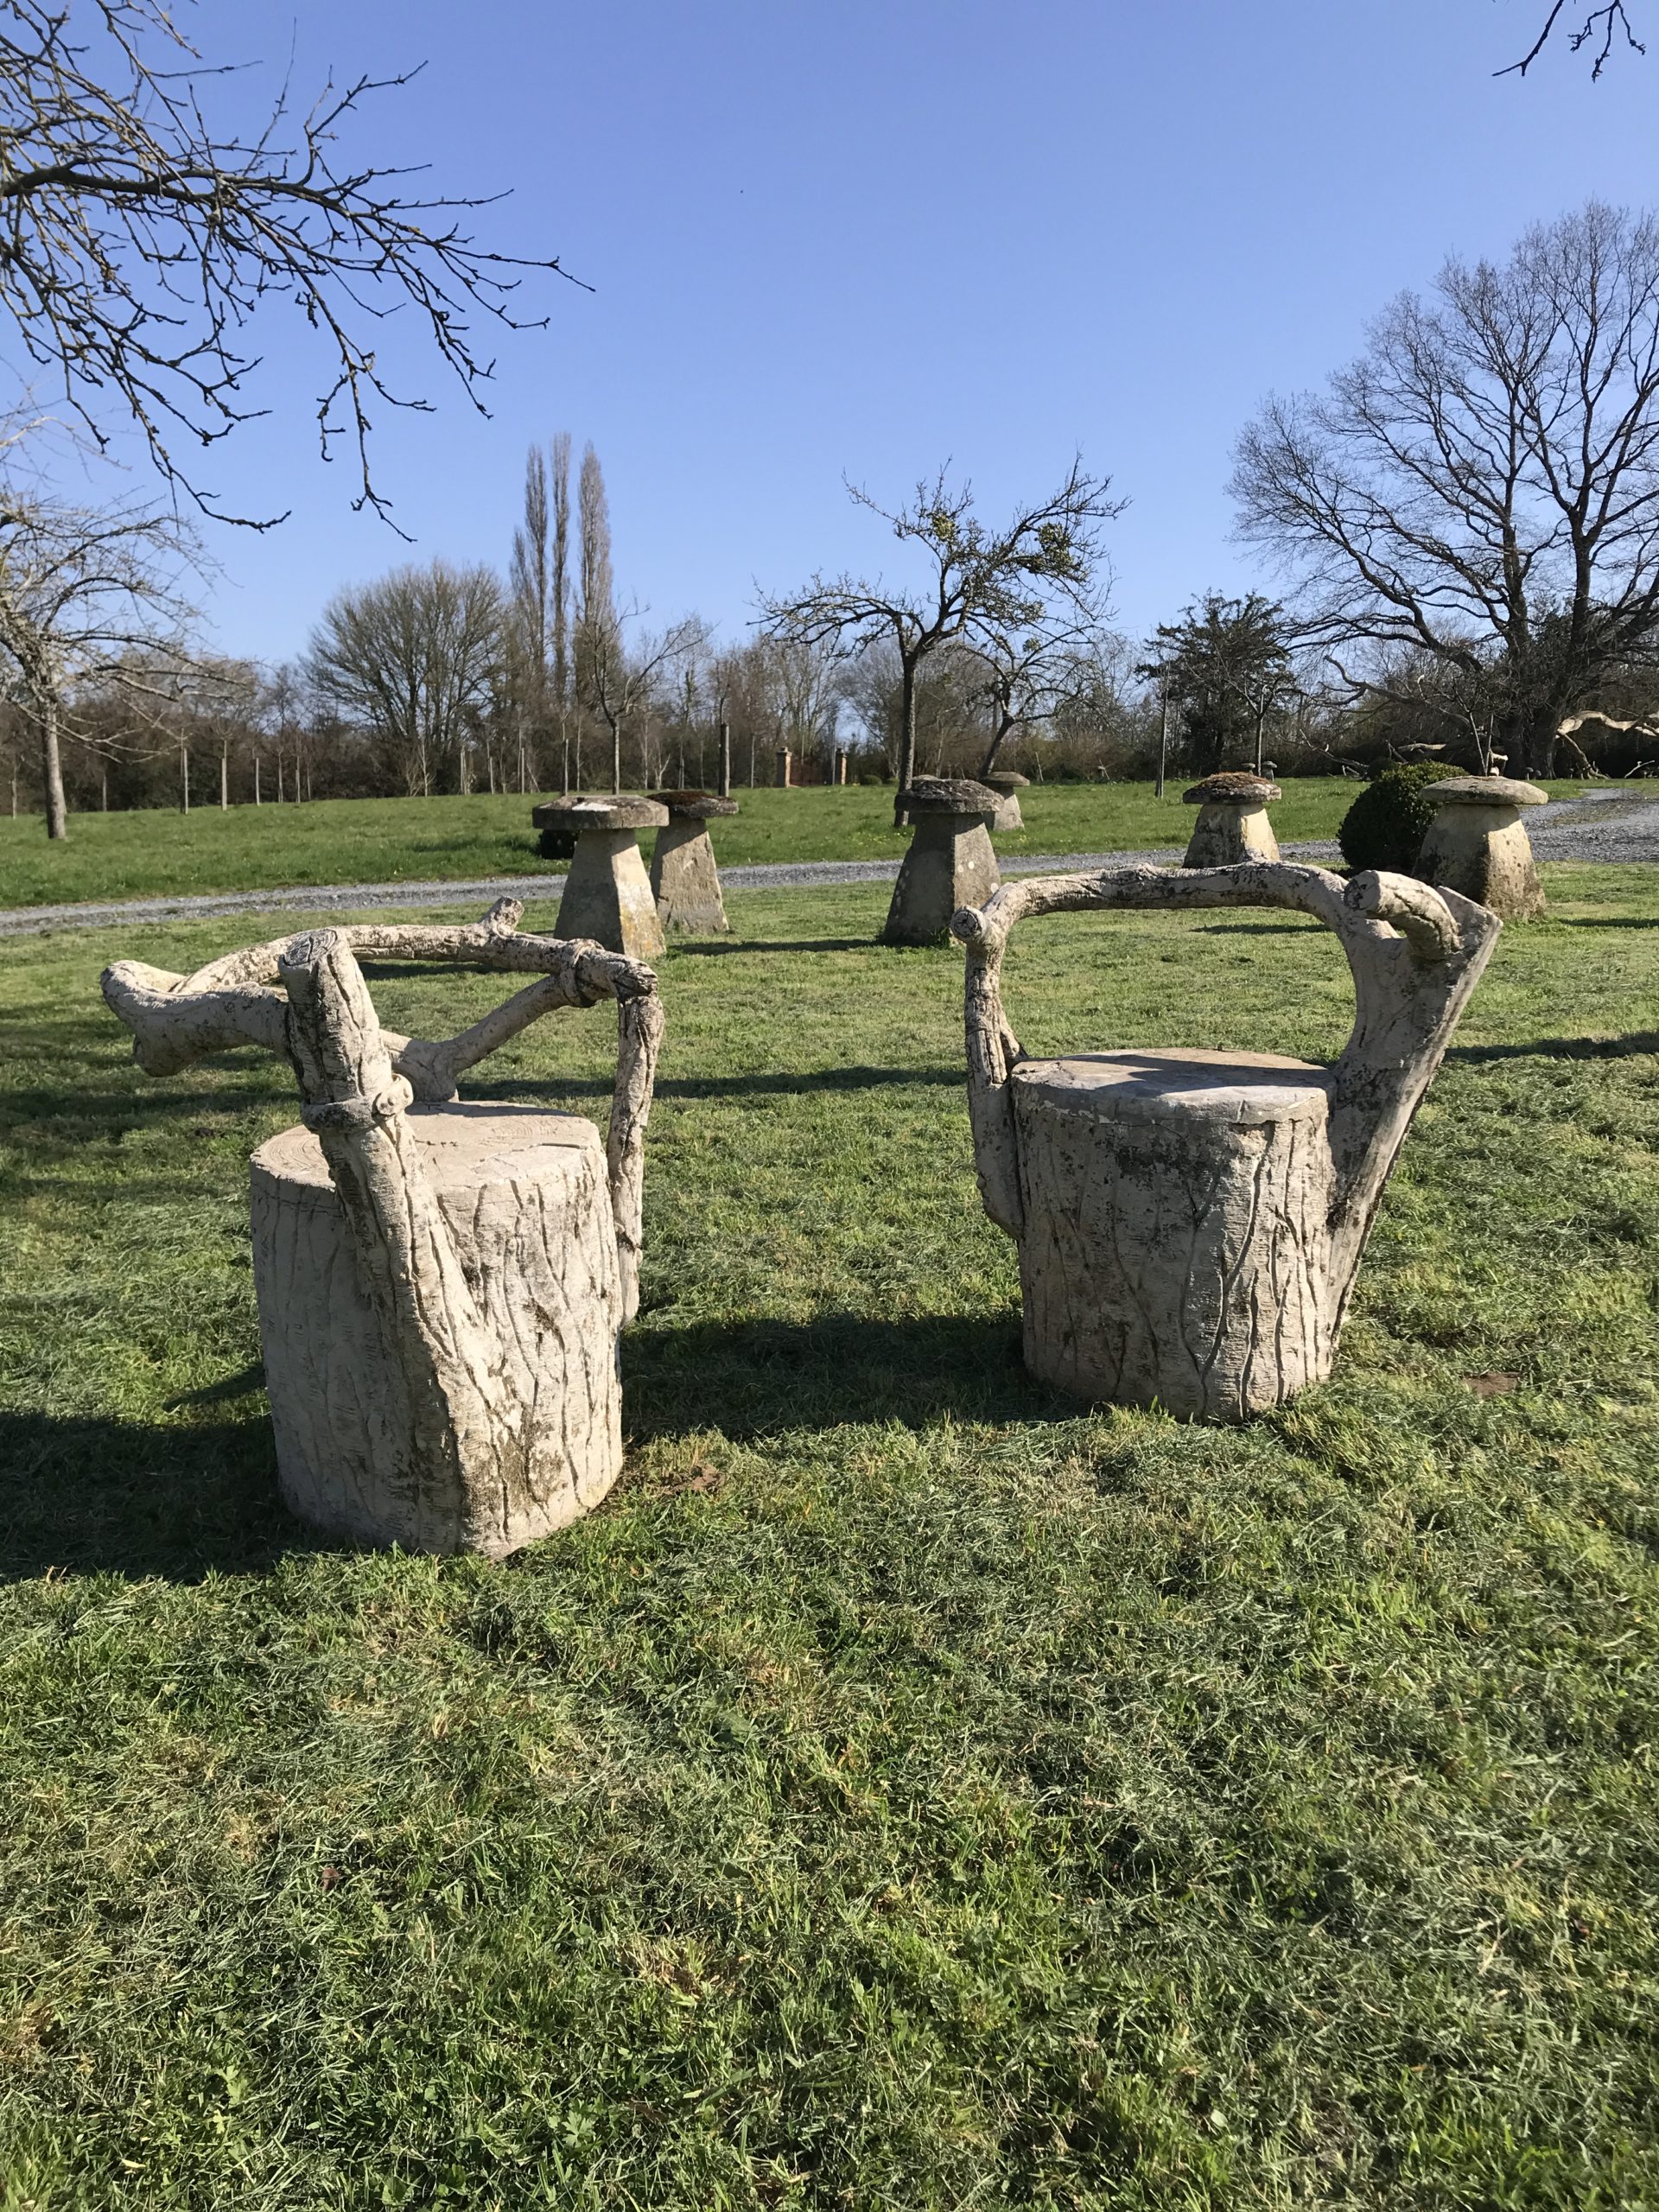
(909, 1789)
(391, 840)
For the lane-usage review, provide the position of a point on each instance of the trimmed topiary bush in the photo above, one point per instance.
(1386, 824)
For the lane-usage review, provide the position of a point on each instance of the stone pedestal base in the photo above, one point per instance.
(1176, 1241)
(1484, 851)
(949, 863)
(607, 895)
(685, 881)
(1008, 787)
(1223, 836)
(524, 1195)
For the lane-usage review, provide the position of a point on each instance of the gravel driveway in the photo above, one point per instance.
(1614, 825)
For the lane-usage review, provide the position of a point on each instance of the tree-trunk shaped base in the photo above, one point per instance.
(607, 895)
(523, 1194)
(685, 881)
(1176, 1240)
(950, 863)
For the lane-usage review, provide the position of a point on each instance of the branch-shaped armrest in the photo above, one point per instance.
(177, 1019)
(1415, 954)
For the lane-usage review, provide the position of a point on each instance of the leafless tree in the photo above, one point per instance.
(1031, 668)
(559, 456)
(414, 657)
(527, 636)
(1483, 483)
(972, 575)
(86, 595)
(596, 639)
(623, 674)
(139, 238)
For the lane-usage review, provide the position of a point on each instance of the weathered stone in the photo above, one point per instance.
(439, 1289)
(1007, 786)
(1232, 824)
(1190, 1223)
(949, 863)
(684, 880)
(1477, 844)
(607, 895)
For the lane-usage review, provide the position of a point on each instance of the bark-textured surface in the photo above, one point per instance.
(440, 1292)
(684, 880)
(522, 1209)
(607, 895)
(949, 863)
(1202, 1184)
(1191, 1225)
(1477, 844)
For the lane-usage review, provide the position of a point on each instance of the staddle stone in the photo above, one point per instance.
(1176, 1240)
(949, 863)
(607, 894)
(1007, 786)
(1232, 824)
(524, 1195)
(1477, 843)
(684, 880)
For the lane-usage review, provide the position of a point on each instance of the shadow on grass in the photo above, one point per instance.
(177, 1502)
(761, 1379)
(1606, 922)
(714, 946)
(1563, 1048)
(723, 1086)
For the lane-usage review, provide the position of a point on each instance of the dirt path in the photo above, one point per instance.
(1616, 825)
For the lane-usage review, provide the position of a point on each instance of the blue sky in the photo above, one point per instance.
(869, 236)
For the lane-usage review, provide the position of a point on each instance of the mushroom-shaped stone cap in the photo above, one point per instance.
(949, 795)
(548, 813)
(1486, 790)
(1232, 787)
(694, 806)
(1006, 779)
(628, 810)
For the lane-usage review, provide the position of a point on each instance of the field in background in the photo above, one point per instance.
(387, 840)
(909, 1789)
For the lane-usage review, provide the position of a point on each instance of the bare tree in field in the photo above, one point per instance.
(624, 676)
(1031, 667)
(971, 575)
(86, 596)
(141, 235)
(528, 628)
(415, 658)
(1481, 485)
(595, 636)
(559, 458)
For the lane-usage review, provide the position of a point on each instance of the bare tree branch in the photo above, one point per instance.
(137, 240)
(1605, 22)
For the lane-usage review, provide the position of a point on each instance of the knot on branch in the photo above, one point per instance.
(362, 1110)
(1416, 910)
